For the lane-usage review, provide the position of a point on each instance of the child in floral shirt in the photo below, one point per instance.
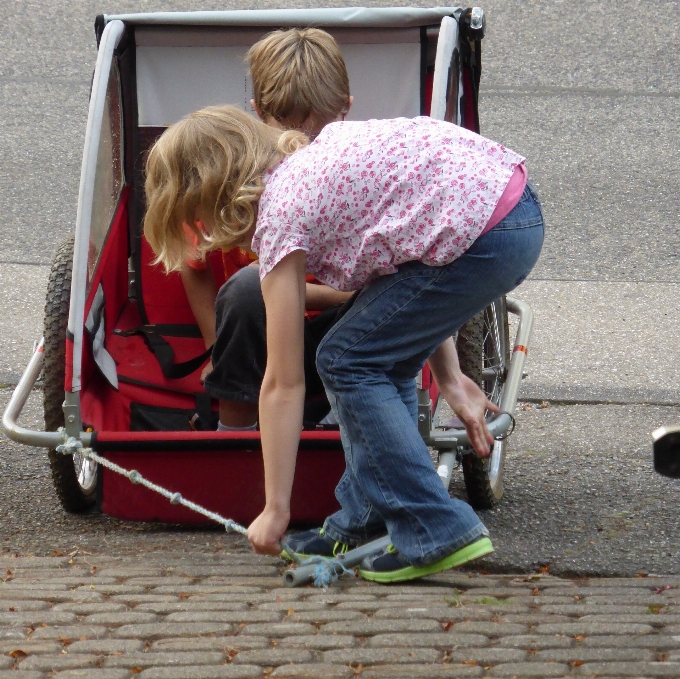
(399, 210)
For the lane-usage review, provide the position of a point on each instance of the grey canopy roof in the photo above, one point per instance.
(377, 17)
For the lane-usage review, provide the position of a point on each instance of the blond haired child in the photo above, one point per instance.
(430, 223)
(299, 82)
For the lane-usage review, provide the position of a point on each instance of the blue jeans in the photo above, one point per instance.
(368, 362)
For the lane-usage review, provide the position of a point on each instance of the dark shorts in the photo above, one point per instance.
(239, 355)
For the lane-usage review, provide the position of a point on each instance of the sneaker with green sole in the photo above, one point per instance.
(387, 565)
(313, 543)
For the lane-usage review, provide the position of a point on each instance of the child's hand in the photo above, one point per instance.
(470, 403)
(206, 371)
(266, 531)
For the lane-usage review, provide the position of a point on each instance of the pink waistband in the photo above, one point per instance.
(513, 192)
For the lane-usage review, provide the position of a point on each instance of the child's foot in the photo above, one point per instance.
(313, 543)
(387, 565)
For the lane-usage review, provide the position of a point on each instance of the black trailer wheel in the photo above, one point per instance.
(74, 477)
(484, 354)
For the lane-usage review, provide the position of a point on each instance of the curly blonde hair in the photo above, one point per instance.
(211, 160)
(298, 72)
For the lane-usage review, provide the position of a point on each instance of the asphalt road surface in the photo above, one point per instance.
(589, 94)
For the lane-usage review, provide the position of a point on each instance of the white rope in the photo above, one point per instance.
(72, 445)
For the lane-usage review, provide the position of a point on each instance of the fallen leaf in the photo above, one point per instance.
(136, 670)
(532, 651)
(580, 637)
(575, 663)
(18, 654)
(9, 572)
(290, 611)
(658, 590)
(11, 608)
(655, 608)
(468, 662)
(577, 597)
(544, 569)
(65, 641)
(447, 626)
(534, 591)
(642, 575)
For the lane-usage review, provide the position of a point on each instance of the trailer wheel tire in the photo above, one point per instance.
(74, 477)
(484, 354)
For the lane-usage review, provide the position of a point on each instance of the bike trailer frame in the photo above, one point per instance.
(132, 348)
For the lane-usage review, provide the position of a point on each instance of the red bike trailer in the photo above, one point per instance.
(122, 354)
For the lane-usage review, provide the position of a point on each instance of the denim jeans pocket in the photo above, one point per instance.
(525, 214)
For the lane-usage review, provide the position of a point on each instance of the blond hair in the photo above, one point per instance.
(212, 160)
(297, 73)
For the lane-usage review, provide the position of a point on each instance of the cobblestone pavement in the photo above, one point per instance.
(200, 616)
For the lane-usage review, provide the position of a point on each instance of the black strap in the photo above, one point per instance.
(164, 353)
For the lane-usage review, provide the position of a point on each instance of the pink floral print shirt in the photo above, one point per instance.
(365, 197)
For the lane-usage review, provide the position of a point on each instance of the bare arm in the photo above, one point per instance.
(466, 399)
(201, 289)
(320, 297)
(281, 397)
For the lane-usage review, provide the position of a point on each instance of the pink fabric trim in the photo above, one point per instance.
(511, 195)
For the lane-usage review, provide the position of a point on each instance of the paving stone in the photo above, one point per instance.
(324, 616)
(436, 671)
(374, 656)
(340, 599)
(48, 663)
(90, 609)
(587, 609)
(128, 572)
(369, 627)
(171, 629)
(294, 606)
(122, 618)
(12, 674)
(203, 672)
(178, 606)
(646, 599)
(320, 642)
(272, 657)
(34, 618)
(91, 673)
(314, 671)
(247, 598)
(6, 662)
(112, 589)
(489, 629)
(533, 619)
(536, 641)
(102, 646)
(529, 669)
(12, 633)
(588, 628)
(632, 669)
(437, 639)
(672, 629)
(71, 632)
(443, 614)
(146, 581)
(225, 616)
(135, 599)
(161, 659)
(488, 656)
(224, 644)
(662, 642)
(30, 646)
(584, 654)
(278, 630)
(9, 605)
(35, 562)
(214, 589)
(656, 619)
(53, 595)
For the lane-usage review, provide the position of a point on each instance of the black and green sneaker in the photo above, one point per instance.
(313, 543)
(387, 565)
